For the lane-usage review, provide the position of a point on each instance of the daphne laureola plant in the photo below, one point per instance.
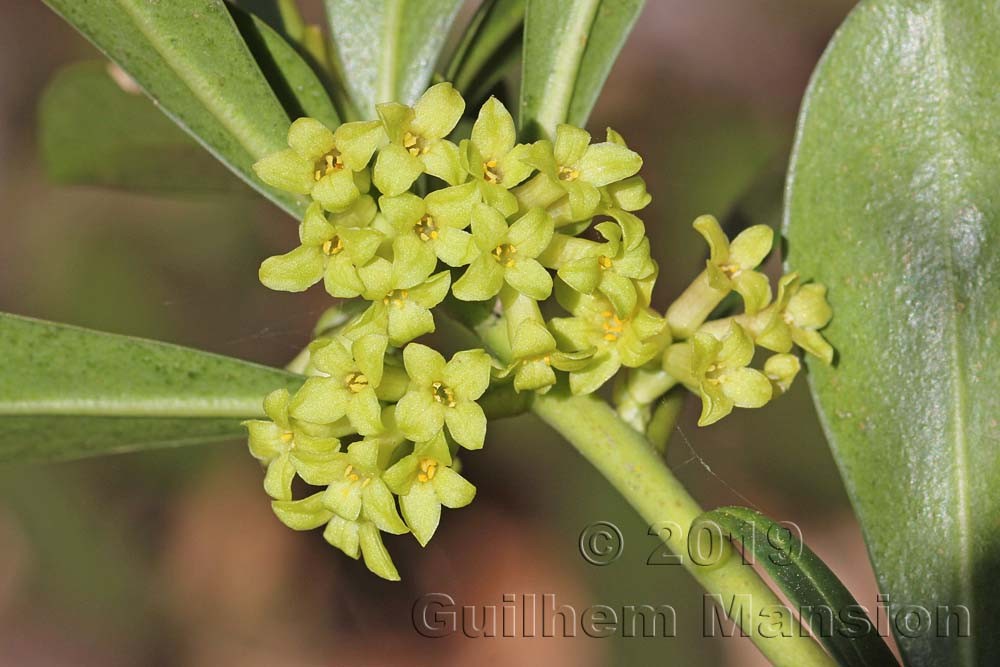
(484, 256)
(544, 238)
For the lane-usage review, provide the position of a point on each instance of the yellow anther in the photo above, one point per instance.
(547, 359)
(789, 320)
(356, 382)
(731, 270)
(350, 474)
(428, 468)
(443, 394)
(504, 254)
(414, 144)
(604, 261)
(333, 246)
(490, 172)
(286, 437)
(368, 480)
(396, 297)
(426, 229)
(328, 164)
(568, 174)
(613, 326)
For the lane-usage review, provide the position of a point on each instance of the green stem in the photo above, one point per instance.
(633, 467)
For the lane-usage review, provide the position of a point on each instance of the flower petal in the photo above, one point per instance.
(493, 134)
(376, 556)
(295, 271)
(746, 387)
(419, 416)
(310, 138)
(481, 281)
(422, 511)
(468, 373)
(466, 424)
(437, 111)
(380, 507)
(452, 489)
(304, 514)
(529, 278)
(395, 170)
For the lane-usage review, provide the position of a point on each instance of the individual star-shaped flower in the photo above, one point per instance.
(623, 257)
(580, 168)
(796, 317)
(353, 371)
(322, 163)
(424, 481)
(416, 140)
(330, 249)
(535, 357)
(630, 341)
(507, 254)
(355, 484)
(717, 371)
(402, 298)
(730, 267)
(493, 157)
(431, 228)
(288, 447)
(444, 393)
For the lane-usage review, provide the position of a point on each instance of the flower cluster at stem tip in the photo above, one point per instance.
(403, 218)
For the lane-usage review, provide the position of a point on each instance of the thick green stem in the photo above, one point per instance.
(633, 467)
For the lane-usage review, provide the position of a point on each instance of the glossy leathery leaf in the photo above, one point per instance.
(569, 48)
(892, 204)
(836, 619)
(67, 392)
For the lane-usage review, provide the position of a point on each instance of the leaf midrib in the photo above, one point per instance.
(141, 407)
(960, 450)
(562, 79)
(238, 125)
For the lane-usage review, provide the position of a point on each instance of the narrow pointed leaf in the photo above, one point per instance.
(569, 48)
(804, 579)
(292, 79)
(67, 392)
(493, 28)
(892, 203)
(387, 50)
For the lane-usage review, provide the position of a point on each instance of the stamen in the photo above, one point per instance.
(443, 394)
(396, 297)
(356, 382)
(333, 246)
(328, 164)
(504, 254)
(490, 172)
(426, 229)
(604, 261)
(567, 174)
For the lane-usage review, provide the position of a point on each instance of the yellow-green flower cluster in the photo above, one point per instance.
(404, 213)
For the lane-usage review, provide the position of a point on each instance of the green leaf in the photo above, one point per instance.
(491, 30)
(892, 203)
(67, 392)
(189, 57)
(569, 48)
(387, 49)
(801, 575)
(92, 132)
(293, 81)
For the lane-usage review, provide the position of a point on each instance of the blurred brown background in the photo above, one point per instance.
(173, 557)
